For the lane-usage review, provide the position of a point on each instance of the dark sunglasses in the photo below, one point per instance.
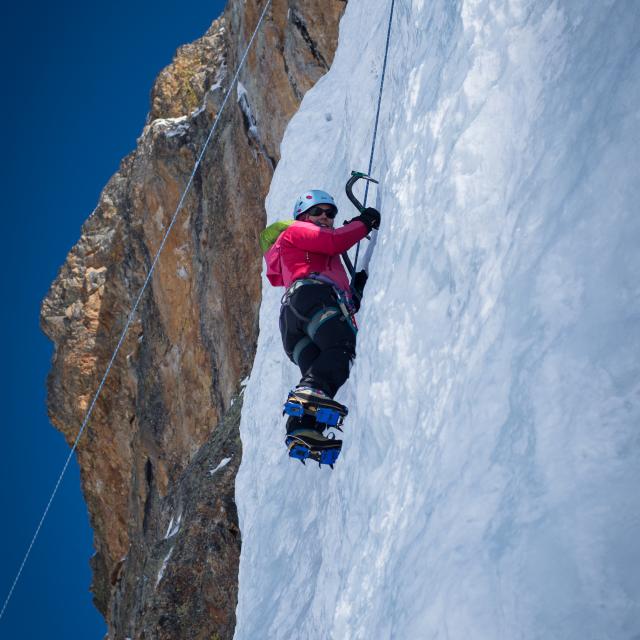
(318, 211)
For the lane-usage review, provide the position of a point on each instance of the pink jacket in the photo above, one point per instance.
(304, 248)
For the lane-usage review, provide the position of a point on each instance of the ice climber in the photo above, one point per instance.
(317, 322)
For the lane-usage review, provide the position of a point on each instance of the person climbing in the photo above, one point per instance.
(317, 322)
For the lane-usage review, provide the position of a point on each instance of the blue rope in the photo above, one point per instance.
(375, 127)
(134, 309)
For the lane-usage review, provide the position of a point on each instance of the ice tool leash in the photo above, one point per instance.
(135, 306)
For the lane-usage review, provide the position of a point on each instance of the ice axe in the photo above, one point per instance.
(355, 176)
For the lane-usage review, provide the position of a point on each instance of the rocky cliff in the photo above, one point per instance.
(159, 456)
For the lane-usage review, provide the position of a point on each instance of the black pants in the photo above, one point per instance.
(318, 337)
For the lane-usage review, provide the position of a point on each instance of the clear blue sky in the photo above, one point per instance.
(76, 79)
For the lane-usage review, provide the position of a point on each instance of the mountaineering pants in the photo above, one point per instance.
(318, 337)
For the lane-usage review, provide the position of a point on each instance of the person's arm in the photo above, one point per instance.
(332, 242)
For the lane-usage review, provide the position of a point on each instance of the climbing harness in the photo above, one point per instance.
(286, 298)
(344, 304)
(313, 323)
(135, 306)
(375, 127)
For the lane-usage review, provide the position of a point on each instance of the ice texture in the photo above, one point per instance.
(174, 527)
(223, 463)
(243, 101)
(488, 486)
(165, 562)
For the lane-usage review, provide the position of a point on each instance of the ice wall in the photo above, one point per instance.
(488, 485)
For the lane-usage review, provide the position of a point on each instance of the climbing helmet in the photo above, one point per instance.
(311, 199)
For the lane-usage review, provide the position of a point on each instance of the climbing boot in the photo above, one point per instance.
(305, 440)
(313, 402)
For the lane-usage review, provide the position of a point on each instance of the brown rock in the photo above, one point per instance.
(165, 412)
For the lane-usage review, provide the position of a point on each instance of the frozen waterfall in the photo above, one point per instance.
(489, 484)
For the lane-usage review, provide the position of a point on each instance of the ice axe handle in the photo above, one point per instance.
(348, 264)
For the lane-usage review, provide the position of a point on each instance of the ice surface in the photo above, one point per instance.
(488, 485)
(164, 566)
(243, 101)
(172, 126)
(173, 527)
(223, 463)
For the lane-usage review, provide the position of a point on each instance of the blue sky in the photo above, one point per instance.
(76, 83)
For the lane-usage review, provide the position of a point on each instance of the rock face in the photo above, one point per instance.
(166, 535)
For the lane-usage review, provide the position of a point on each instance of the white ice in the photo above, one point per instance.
(488, 484)
(173, 528)
(223, 463)
(172, 126)
(243, 101)
(163, 567)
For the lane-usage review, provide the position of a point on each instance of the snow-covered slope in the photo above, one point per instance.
(489, 481)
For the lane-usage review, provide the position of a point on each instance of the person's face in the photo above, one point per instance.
(322, 220)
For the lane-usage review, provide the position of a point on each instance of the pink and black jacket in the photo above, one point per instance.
(295, 249)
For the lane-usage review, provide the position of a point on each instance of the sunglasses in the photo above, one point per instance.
(331, 213)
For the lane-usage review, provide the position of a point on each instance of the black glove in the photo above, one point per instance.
(357, 288)
(359, 280)
(370, 216)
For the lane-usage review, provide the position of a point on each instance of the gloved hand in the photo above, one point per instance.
(357, 287)
(359, 280)
(370, 216)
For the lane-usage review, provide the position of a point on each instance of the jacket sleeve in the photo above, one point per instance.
(332, 242)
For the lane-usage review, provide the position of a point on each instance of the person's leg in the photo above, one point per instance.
(292, 332)
(335, 342)
(300, 350)
(294, 320)
(323, 345)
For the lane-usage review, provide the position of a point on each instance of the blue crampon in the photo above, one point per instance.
(323, 415)
(327, 416)
(310, 415)
(301, 451)
(294, 409)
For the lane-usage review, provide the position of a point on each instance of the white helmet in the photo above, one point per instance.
(310, 199)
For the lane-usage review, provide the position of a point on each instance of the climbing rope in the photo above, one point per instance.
(375, 126)
(135, 307)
